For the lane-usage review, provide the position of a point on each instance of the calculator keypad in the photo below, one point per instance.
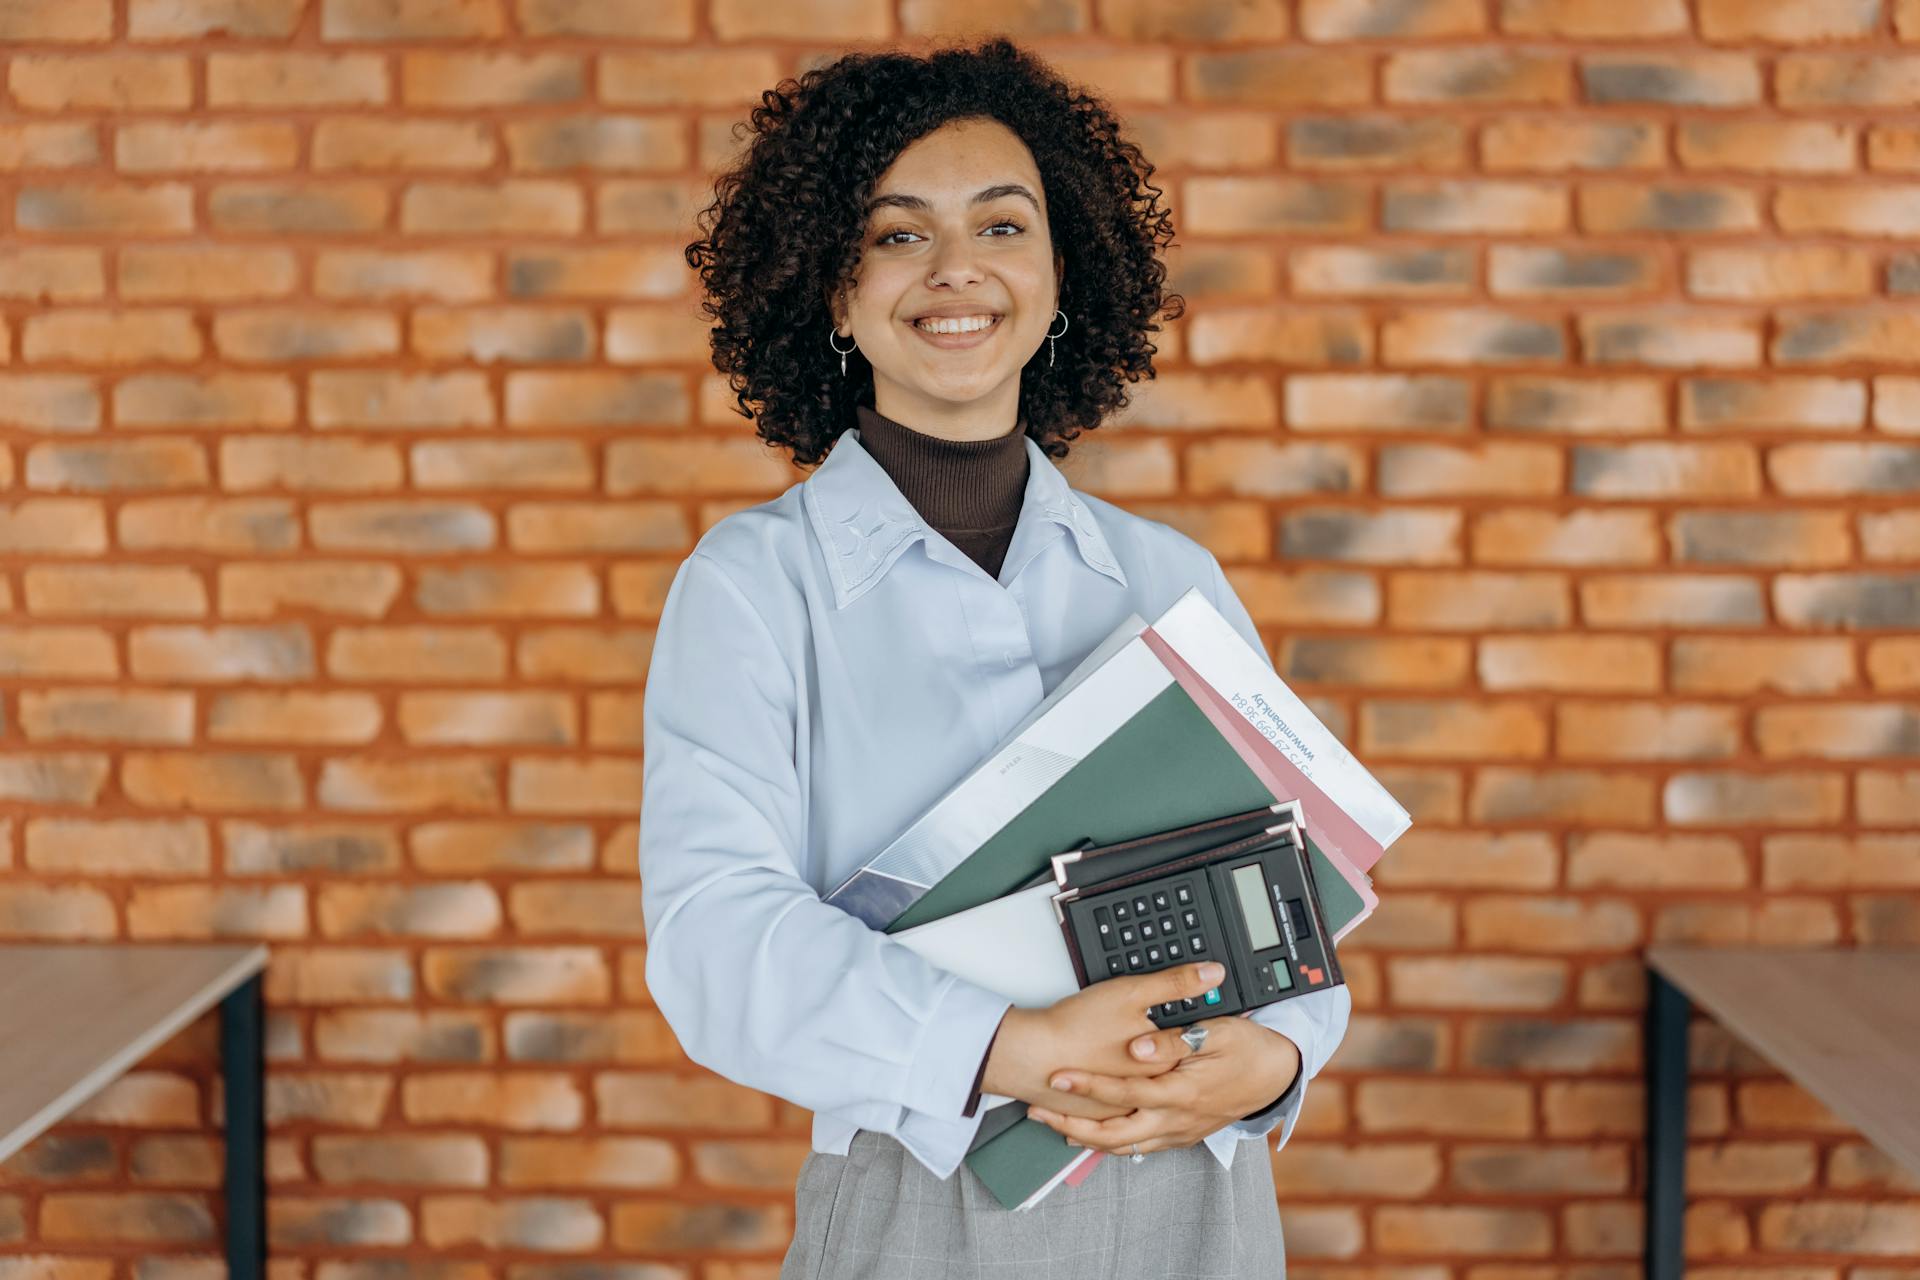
(1143, 932)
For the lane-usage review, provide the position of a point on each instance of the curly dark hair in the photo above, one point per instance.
(784, 233)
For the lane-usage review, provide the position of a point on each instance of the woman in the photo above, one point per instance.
(941, 270)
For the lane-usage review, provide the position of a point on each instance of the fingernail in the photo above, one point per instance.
(1062, 1083)
(1212, 972)
(1143, 1048)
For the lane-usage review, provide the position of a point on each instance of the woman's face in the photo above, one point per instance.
(931, 245)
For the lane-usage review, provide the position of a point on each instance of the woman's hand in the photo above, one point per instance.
(1089, 1031)
(1242, 1069)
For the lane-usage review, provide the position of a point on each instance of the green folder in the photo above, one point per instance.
(1166, 767)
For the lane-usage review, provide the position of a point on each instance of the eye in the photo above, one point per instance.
(1003, 222)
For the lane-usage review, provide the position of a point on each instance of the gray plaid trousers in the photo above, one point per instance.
(877, 1214)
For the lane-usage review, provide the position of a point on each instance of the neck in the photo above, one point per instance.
(963, 485)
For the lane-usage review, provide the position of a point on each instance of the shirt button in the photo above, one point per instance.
(1012, 659)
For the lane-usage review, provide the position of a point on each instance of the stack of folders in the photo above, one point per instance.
(1172, 750)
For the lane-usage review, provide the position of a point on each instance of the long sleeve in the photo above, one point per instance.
(1316, 1022)
(762, 981)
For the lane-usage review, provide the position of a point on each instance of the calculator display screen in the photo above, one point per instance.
(1250, 883)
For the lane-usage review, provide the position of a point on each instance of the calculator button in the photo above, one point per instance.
(1115, 966)
(1121, 911)
(1155, 956)
(1104, 925)
(1169, 1009)
(1183, 895)
(1191, 919)
(1196, 944)
(1173, 951)
(1213, 996)
(1147, 930)
(1166, 924)
(1188, 1003)
(1160, 900)
(1136, 961)
(1128, 935)
(1140, 906)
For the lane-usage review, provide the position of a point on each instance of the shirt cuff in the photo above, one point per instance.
(950, 1057)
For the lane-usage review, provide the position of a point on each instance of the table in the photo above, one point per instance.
(73, 1017)
(1844, 1025)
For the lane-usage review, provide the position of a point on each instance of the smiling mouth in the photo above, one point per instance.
(957, 333)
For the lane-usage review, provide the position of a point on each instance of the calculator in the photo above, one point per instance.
(1238, 890)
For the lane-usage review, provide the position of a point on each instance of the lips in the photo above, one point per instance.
(957, 341)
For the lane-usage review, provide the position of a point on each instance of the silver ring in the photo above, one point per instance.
(1196, 1037)
(1137, 1155)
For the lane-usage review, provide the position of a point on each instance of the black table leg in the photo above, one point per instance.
(1667, 1010)
(243, 1062)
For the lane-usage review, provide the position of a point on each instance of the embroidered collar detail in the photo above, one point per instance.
(865, 523)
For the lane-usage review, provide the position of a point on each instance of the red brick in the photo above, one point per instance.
(1478, 601)
(1645, 731)
(448, 275)
(416, 654)
(586, 273)
(1789, 21)
(48, 145)
(351, 1223)
(1593, 19)
(151, 209)
(1478, 206)
(188, 19)
(1258, 205)
(597, 526)
(164, 591)
(1449, 1107)
(542, 976)
(411, 19)
(101, 82)
(276, 208)
(1627, 860)
(486, 79)
(296, 716)
(215, 147)
(515, 206)
(369, 398)
(1477, 75)
(1802, 798)
(87, 336)
(1555, 145)
(49, 402)
(56, 20)
(1784, 271)
(1754, 664)
(1793, 146)
(1369, 142)
(125, 464)
(1536, 924)
(471, 718)
(277, 79)
(204, 273)
(1679, 79)
(242, 526)
(1521, 537)
(502, 334)
(126, 1217)
(1499, 469)
(504, 464)
(45, 273)
(321, 586)
(1586, 797)
(401, 527)
(107, 715)
(213, 400)
(640, 143)
(1363, 271)
(1452, 730)
(1361, 20)
(299, 463)
(285, 335)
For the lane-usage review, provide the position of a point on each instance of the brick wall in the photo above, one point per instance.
(1550, 386)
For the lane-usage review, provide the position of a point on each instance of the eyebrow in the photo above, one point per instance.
(920, 205)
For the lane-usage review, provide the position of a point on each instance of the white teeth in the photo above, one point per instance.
(966, 324)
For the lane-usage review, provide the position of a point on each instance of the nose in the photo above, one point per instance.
(954, 262)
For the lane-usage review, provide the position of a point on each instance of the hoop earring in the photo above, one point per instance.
(1051, 336)
(837, 351)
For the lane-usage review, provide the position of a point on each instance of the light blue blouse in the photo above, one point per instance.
(826, 667)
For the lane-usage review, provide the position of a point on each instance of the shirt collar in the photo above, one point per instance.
(864, 523)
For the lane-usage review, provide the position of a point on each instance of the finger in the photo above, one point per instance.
(1166, 1046)
(1107, 1135)
(1119, 1091)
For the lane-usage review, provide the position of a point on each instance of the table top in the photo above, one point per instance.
(1844, 1025)
(72, 1018)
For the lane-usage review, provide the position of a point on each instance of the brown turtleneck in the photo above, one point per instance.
(969, 490)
